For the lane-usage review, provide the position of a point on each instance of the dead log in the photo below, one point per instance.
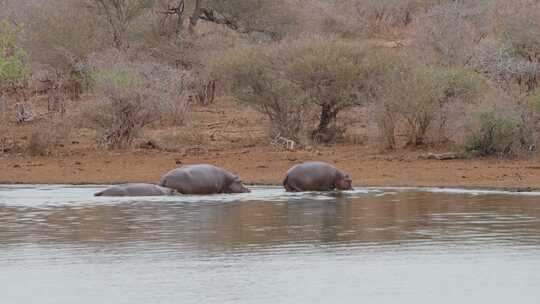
(443, 156)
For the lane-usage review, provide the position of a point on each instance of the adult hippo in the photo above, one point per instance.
(316, 176)
(136, 190)
(203, 179)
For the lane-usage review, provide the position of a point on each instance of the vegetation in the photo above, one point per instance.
(255, 77)
(321, 75)
(493, 134)
(420, 72)
(13, 69)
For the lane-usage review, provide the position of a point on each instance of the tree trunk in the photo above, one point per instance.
(179, 11)
(322, 132)
(179, 24)
(195, 17)
(121, 42)
(3, 105)
(387, 128)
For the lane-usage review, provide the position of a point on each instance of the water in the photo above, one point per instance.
(59, 244)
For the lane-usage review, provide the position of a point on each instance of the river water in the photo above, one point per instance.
(59, 244)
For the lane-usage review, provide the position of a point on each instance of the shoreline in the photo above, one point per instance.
(389, 187)
(265, 167)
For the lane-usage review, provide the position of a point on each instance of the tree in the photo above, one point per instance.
(120, 14)
(257, 80)
(296, 78)
(330, 72)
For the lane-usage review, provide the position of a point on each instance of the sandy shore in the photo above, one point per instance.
(260, 165)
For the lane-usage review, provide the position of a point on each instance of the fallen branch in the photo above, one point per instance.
(282, 142)
(443, 156)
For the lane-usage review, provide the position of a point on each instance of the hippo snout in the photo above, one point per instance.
(246, 190)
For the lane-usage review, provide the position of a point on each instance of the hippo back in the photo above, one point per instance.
(197, 179)
(311, 176)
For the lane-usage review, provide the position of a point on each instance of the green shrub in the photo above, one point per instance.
(126, 79)
(13, 69)
(493, 134)
(533, 101)
(418, 95)
(465, 84)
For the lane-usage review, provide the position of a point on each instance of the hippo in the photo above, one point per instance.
(316, 176)
(136, 190)
(202, 179)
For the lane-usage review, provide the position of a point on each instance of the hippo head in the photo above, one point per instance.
(343, 182)
(237, 187)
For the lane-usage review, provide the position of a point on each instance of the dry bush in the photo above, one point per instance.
(508, 71)
(417, 99)
(448, 32)
(256, 79)
(15, 10)
(135, 96)
(169, 88)
(418, 96)
(119, 15)
(61, 35)
(521, 30)
(385, 18)
(46, 135)
(193, 53)
(181, 139)
(272, 18)
(512, 59)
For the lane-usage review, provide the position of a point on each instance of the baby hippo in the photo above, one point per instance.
(202, 179)
(136, 190)
(316, 176)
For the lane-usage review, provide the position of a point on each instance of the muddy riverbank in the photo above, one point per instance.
(263, 166)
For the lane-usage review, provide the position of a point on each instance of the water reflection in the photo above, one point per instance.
(61, 245)
(402, 219)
